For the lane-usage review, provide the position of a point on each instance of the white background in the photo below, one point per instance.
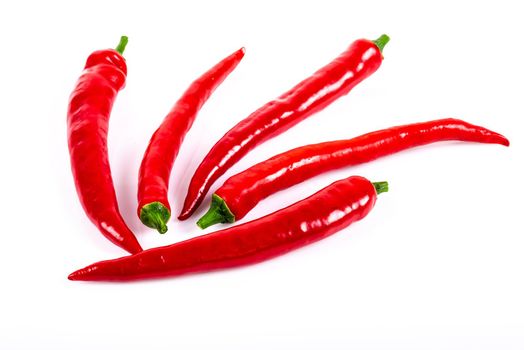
(438, 264)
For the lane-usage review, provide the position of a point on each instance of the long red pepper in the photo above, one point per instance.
(153, 206)
(318, 216)
(336, 79)
(90, 105)
(242, 192)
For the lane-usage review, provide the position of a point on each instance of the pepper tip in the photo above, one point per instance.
(73, 276)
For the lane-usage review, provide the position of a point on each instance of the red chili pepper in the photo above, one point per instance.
(242, 192)
(318, 216)
(90, 105)
(153, 206)
(336, 79)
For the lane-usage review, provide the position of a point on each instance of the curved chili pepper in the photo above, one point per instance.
(153, 206)
(318, 216)
(90, 105)
(334, 80)
(243, 191)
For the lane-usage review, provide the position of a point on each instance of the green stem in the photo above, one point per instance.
(218, 213)
(155, 215)
(122, 44)
(381, 42)
(381, 186)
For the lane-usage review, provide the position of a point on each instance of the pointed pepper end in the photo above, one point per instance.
(73, 276)
(133, 246)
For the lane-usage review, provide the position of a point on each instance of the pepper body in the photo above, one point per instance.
(153, 206)
(88, 114)
(318, 216)
(359, 61)
(243, 191)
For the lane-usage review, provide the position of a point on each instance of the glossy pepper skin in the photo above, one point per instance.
(153, 206)
(318, 216)
(243, 191)
(90, 105)
(336, 79)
